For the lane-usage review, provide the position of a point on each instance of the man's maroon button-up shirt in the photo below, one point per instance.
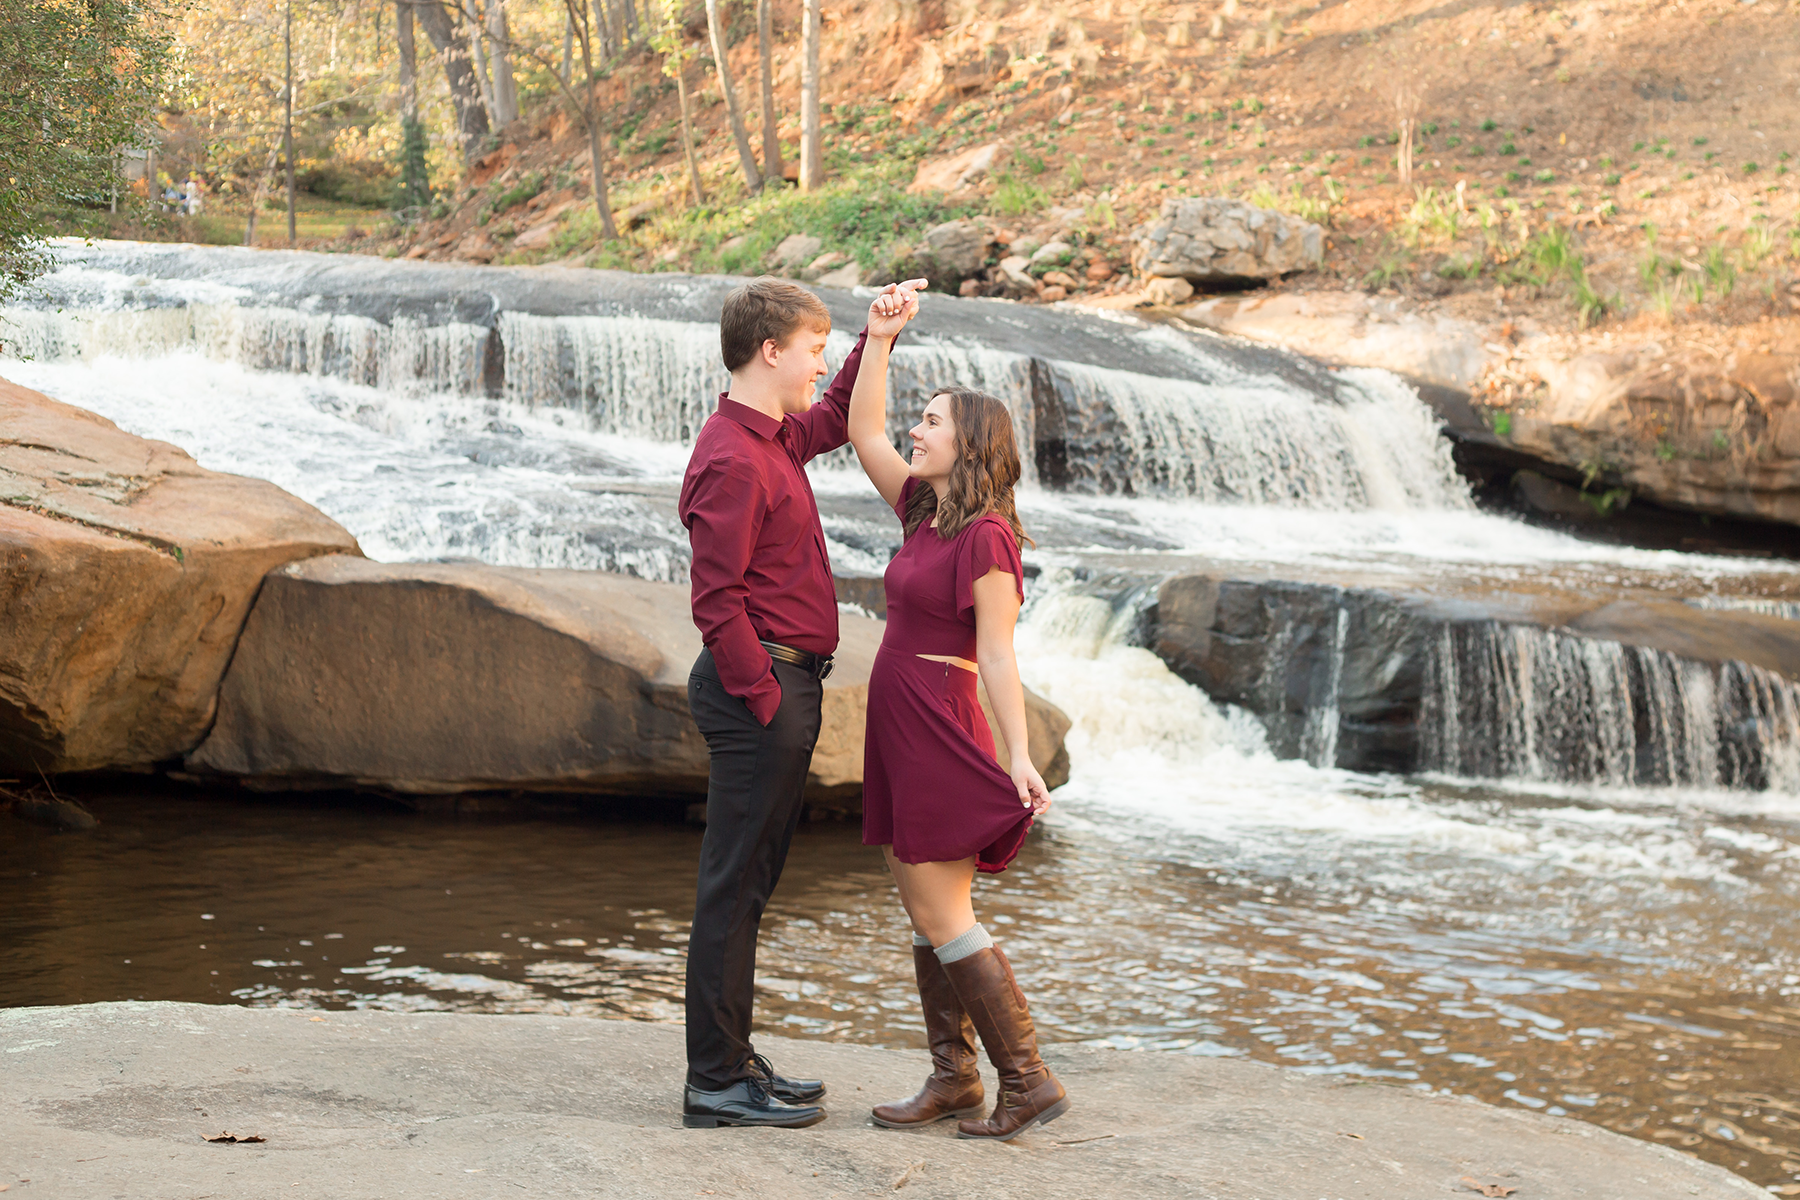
(760, 569)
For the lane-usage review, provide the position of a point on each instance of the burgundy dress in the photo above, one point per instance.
(931, 786)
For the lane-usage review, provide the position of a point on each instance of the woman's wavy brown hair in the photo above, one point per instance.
(983, 476)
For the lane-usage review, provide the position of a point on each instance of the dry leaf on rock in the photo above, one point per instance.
(228, 1139)
(1488, 1189)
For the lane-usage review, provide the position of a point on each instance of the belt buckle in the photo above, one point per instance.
(825, 665)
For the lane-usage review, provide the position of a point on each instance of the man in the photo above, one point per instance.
(767, 612)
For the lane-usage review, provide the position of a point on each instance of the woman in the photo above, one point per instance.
(934, 799)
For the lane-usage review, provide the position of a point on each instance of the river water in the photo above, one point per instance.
(1575, 944)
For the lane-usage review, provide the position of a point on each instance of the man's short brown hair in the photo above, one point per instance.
(766, 308)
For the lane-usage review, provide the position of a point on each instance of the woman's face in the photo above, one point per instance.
(934, 443)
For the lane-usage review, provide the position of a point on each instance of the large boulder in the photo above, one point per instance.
(1376, 675)
(1211, 239)
(1357, 330)
(126, 570)
(957, 171)
(959, 248)
(433, 678)
(1687, 428)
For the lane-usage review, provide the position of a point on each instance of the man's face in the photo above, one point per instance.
(798, 367)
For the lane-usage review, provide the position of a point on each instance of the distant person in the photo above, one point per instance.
(191, 197)
(767, 612)
(934, 799)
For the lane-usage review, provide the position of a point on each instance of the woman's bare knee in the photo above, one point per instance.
(937, 897)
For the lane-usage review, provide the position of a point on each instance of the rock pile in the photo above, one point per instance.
(1211, 239)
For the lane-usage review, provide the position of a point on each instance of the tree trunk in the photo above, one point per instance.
(415, 182)
(1406, 151)
(630, 26)
(687, 129)
(409, 61)
(603, 21)
(765, 22)
(260, 194)
(478, 54)
(287, 137)
(465, 95)
(590, 118)
(568, 59)
(506, 91)
(752, 177)
(812, 166)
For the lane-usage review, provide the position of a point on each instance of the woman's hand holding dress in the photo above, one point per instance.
(1032, 792)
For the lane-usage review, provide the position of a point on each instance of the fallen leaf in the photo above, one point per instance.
(229, 1139)
(315, 1018)
(1357, 1136)
(906, 1175)
(1488, 1189)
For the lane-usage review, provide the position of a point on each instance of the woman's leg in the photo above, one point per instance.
(954, 1087)
(894, 866)
(937, 896)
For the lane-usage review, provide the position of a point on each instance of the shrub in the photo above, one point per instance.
(1015, 197)
(361, 183)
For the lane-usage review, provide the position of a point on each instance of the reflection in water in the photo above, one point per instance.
(1670, 1021)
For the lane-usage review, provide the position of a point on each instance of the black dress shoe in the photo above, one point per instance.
(793, 1091)
(746, 1102)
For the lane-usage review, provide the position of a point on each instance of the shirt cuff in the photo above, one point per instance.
(764, 698)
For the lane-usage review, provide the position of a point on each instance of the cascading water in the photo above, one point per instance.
(483, 425)
(1517, 702)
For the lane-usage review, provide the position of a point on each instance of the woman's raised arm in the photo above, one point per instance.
(867, 419)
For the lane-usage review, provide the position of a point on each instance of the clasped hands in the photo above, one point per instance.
(894, 306)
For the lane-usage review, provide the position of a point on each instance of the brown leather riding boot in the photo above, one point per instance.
(954, 1089)
(1029, 1093)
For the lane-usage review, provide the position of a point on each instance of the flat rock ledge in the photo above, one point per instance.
(438, 679)
(118, 1099)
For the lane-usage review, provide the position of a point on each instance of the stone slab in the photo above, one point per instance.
(441, 678)
(116, 1099)
(126, 569)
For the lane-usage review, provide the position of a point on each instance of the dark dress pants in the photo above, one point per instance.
(753, 802)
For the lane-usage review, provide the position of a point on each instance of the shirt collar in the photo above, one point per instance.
(756, 422)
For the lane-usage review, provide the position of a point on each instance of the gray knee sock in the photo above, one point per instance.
(920, 939)
(964, 944)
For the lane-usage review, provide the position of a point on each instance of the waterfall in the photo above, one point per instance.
(1216, 428)
(1519, 702)
(1319, 738)
(406, 355)
(1787, 610)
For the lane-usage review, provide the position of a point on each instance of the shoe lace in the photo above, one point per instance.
(764, 1067)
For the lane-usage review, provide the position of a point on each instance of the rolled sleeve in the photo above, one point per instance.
(826, 425)
(724, 518)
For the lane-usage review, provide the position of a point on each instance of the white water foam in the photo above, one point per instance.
(414, 478)
(1152, 755)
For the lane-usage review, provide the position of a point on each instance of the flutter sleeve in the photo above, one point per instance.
(986, 544)
(906, 491)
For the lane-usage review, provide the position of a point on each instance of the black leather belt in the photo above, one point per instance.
(816, 665)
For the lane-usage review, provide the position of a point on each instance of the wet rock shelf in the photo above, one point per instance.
(122, 1099)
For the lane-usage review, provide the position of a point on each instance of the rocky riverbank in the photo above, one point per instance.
(1692, 418)
(123, 1099)
(158, 614)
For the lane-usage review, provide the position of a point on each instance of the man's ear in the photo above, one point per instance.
(770, 352)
